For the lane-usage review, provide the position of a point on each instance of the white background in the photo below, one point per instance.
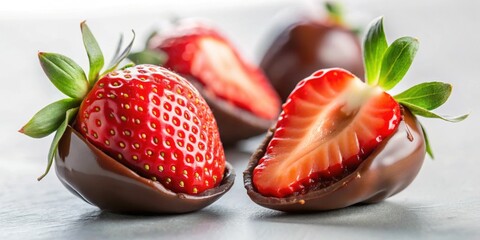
(442, 203)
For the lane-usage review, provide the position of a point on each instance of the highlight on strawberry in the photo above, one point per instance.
(146, 117)
(334, 128)
(241, 97)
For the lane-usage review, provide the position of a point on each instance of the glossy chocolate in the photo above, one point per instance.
(103, 182)
(307, 45)
(387, 171)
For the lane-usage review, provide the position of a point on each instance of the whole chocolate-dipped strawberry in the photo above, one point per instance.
(341, 141)
(138, 139)
(310, 43)
(242, 100)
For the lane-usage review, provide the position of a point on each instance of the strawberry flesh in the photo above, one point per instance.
(205, 55)
(156, 123)
(329, 124)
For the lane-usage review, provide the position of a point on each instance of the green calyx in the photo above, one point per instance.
(335, 12)
(149, 56)
(120, 55)
(386, 65)
(95, 55)
(49, 118)
(71, 80)
(336, 16)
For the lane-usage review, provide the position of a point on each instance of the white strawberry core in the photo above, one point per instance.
(332, 119)
(357, 95)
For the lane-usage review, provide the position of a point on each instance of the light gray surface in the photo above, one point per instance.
(442, 203)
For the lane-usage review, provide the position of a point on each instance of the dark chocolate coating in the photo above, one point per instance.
(234, 123)
(306, 46)
(389, 169)
(103, 182)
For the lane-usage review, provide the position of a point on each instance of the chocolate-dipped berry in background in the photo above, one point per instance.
(341, 141)
(138, 139)
(308, 43)
(240, 96)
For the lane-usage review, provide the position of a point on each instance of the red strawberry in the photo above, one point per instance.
(146, 117)
(241, 98)
(157, 124)
(202, 53)
(330, 122)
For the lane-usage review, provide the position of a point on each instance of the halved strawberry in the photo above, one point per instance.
(331, 121)
(201, 52)
(241, 98)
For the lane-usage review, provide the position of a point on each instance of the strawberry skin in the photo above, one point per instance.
(329, 124)
(200, 52)
(157, 124)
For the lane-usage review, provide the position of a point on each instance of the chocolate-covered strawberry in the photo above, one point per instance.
(240, 96)
(331, 121)
(145, 117)
(156, 123)
(333, 126)
(308, 43)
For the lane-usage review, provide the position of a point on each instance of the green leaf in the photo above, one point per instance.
(117, 51)
(49, 118)
(70, 114)
(396, 61)
(120, 57)
(148, 56)
(95, 56)
(374, 47)
(428, 148)
(426, 113)
(65, 74)
(335, 11)
(429, 95)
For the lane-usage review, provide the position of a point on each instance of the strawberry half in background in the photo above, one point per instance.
(240, 96)
(146, 117)
(332, 120)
